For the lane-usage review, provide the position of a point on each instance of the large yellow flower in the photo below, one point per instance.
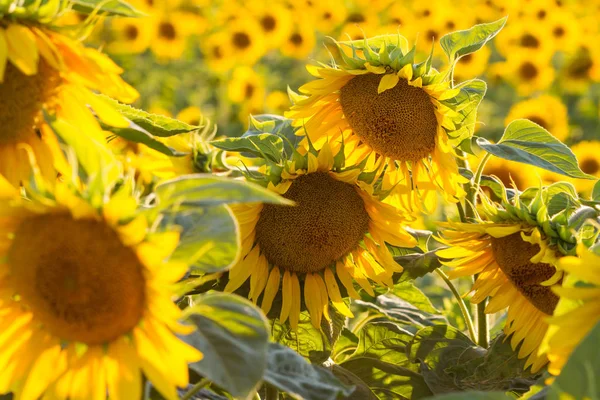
(570, 325)
(86, 299)
(336, 233)
(588, 157)
(514, 261)
(42, 71)
(403, 112)
(547, 111)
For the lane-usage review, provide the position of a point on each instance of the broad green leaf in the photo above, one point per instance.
(139, 135)
(233, 335)
(466, 104)
(380, 361)
(417, 265)
(596, 191)
(277, 125)
(110, 7)
(361, 390)
(308, 341)
(291, 373)
(579, 377)
(201, 190)
(460, 43)
(526, 142)
(155, 125)
(473, 395)
(265, 145)
(209, 240)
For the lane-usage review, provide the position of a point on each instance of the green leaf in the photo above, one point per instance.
(417, 265)
(596, 191)
(361, 390)
(307, 341)
(233, 335)
(473, 395)
(139, 135)
(262, 145)
(466, 104)
(526, 142)
(201, 190)
(291, 373)
(110, 7)
(460, 43)
(155, 125)
(209, 240)
(579, 377)
(380, 361)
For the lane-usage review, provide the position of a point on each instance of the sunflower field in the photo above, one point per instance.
(299, 199)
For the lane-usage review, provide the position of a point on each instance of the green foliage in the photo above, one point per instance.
(466, 103)
(264, 145)
(579, 377)
(233, 336)
(110, 7)
(417, 265)
(460, 43)
(291, 373)
(201, 190)
(527, 142)
(307, 341)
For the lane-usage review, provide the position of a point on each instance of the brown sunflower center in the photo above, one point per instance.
(590, 166)
(530, 41)
(248, 90)
(131, 32)
(539, 120)
(513, 255)
(166, 30)
(399, 123)
(558, 32)
(327, 223)
(79, 280)
(528, 71)
(580, 68)
(22, 98)
(268, 23)
(296, 39)
(241, 40)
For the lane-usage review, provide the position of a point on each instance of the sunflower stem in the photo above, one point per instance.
(483, 334)
(461, 304)
(195, 389)
(477, 178)
(272, 393)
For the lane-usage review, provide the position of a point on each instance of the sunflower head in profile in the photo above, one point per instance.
(87, 291)
(335, 234)
(513, 249)
(379, 100)
(579, 309)
(44, 72)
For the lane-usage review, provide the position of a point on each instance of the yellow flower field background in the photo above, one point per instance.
(302, 199)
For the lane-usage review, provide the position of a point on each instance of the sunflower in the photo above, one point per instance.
(508, 172)
(527, 74)
(472, 65)
(547, 111)
(246, 86)
(528, 38)
(300, 41)
(329, 14)
(45, 72)
(275, 21)
(86, 299)
(565, 31)
(336, 233)
(581, 68)
(217, 52)
(514, 262)
(403, 112)
(572, 323)
(171, 34)
(246, 40)
(130, 36)
(191, 115)
(277, 102)
(588, 156)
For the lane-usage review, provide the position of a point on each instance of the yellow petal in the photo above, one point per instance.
(334, 294)
(271, 290)
(296, 296)
(286, 292)
(22, 48)
(3, 54)
(388, 81)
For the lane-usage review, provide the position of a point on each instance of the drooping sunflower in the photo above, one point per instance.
(573, 322)
(335, 234)
(515, 260)
(383, 103)
(45, 72)
(547, 111)
(86, 298)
